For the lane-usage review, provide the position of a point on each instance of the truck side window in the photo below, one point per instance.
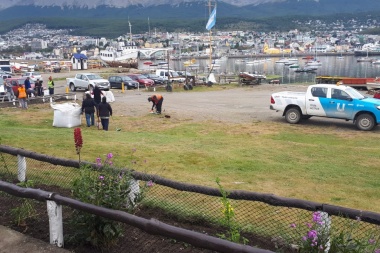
(318, 92)
(339, 94)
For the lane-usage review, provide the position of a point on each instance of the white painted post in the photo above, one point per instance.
(21, 168)
(134, 191)
(325, 227)
(55, 223)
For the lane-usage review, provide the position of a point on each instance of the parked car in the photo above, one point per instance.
(173, 75)
(2, 89)
(143, 80)
(33, 75)
(184, 73)
(87, 81)
(5, 76)
(116, 81)
(158, 80)
(15, 81)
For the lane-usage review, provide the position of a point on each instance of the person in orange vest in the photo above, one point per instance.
(22, 96)
(157, 100)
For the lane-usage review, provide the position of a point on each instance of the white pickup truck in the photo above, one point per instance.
(87, 81)
(330, 101)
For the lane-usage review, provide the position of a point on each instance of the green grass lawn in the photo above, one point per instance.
(315, 163)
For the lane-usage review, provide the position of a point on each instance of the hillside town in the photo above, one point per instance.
(35, 41)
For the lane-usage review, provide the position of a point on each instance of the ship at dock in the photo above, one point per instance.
(369, 49)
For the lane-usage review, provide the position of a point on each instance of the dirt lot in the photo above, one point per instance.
(246, 104)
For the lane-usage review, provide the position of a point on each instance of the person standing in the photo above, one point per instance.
(28, 87)
(88, 108)
(157, 100)
(22, 96)
(10, 94)
(104, 112)
(51, 86)
(97, 94)
(38, 87)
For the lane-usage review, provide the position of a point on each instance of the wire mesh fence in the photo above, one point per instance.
(269, 226)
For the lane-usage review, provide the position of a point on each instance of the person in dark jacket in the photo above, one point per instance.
(38, 88)
(104, 112)
(88, 108)
(157, 100)
(97, 94)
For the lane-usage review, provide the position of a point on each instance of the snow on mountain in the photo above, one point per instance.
(4, 4)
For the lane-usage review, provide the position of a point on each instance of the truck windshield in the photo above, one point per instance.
(354, 93)
(93, 77)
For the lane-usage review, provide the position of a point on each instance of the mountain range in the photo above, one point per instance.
(164, 9)
(110, 18)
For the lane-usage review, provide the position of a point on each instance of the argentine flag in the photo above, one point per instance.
(211, 20)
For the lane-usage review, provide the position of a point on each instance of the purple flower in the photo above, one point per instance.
(149, 183)
(309, 225)
(371, 241)
(110, 162)
(316, 217)
(101, 177)
(304, 238)
(109, 155)
(293, 225)
(377, 251)
(312, 234)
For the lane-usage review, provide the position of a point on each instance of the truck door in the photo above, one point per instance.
(314, 100)
(340, 105)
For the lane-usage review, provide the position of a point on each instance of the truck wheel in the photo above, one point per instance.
(190, 86)
(365, 122)
(293, 115)
(72, 87)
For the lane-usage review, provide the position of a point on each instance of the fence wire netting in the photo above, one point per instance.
(261, 224)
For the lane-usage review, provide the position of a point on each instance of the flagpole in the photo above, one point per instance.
(210, 36)
(209, 26)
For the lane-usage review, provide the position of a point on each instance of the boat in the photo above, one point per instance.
(119, 54)
(282, 60)
(376, 62)
(294, 66)
(313, 63)
(365, 59)
(356, 82)
(369, 49)
(306, 69)
(373, 84)
(249, 78)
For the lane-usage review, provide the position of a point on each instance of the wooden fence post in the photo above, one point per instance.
(21, 168)
(55, 223)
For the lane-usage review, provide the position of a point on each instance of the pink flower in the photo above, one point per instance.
(101, 178)
(149, 183)
(109, 155)
(309, 225)
(293, 225)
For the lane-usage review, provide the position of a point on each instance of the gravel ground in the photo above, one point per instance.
(245, 104)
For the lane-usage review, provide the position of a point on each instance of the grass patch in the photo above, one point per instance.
(313, 163)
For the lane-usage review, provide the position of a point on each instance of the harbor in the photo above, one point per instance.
(330, 65)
